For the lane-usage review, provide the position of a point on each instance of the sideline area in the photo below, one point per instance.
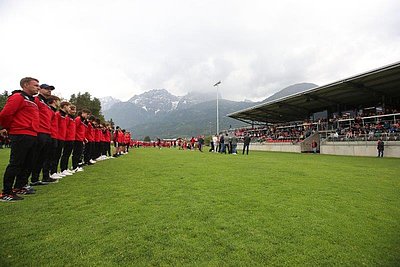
(175, 207)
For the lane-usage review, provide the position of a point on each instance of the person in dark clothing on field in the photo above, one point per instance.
(20, 117)
(380, 147)
(44, 141)
(246, 144)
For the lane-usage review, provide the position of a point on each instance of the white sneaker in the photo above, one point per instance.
(70, 171)
(99, 158)
(66, 173)
(92, 161)
(61, 174)
(80, 169)
(55, 176)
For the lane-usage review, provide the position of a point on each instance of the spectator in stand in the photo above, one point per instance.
(20, 117)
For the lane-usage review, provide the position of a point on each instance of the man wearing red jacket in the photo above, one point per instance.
(43, 145)
(79, 138)
(20, 116)
(61, 117)
(69, 140)
(89, 146)
(127, 141)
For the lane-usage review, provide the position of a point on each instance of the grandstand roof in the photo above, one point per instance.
(364, 89)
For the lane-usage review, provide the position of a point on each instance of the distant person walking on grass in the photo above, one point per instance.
(233, 144)
(380, 147)
(246, 144)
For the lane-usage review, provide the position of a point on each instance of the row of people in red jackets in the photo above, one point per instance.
(44, 133)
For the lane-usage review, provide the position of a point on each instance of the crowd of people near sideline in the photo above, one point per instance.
(44, 132)
(366, 124)
(4, 140)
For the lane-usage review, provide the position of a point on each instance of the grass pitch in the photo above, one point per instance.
(171, 207)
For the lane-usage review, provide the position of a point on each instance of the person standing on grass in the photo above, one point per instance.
(108, 138)
(314, 146)
(127, 141)
(233, 144)
(54, 104)
(80, 130)
(89, 146)
(200, 142)
(61, 117)
(380, 147)
(69, 140)
(20, 117)
(246, 144)
(44, 141)
(222, 148)
(216, 142)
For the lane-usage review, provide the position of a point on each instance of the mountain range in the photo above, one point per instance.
(158, 113)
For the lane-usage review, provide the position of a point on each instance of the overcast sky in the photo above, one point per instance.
(122, 48)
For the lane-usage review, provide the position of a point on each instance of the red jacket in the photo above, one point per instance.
(90, 132)
(120, 137)
(103, 136)
(97, 135)
(107, 136)
(127, 138)
(71, 129)
(46, 115)
(80, 129)
(61, 117)
(20, 115)
(54, 124)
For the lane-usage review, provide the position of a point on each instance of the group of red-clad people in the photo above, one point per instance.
(44, 132)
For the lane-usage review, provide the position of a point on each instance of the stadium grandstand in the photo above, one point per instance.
(346, 117)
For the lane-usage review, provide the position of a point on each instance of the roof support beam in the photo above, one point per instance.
(367, 89)
(323, 100)
(294, 108)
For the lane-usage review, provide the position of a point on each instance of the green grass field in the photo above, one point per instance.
(171, 207)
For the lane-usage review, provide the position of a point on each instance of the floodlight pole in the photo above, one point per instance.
(217, 112)
(216, 85)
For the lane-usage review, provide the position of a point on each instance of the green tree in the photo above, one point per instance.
(147, 139)
(3, 99)
(85, 101)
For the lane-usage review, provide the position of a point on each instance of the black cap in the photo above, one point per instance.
(46, 86)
